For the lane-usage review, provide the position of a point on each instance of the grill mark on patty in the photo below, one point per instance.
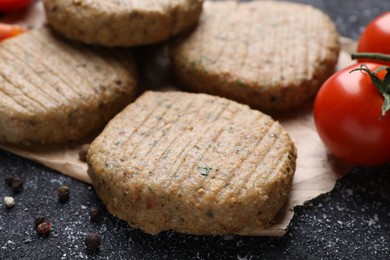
(196, 167)
(223, 33)
(13, 64)
(199, 109)
(49, 70)
(239, 163)
(64, 55)
(204, 50)
(275, 150)
(236, 162)
(192, 45)
(127, 139)
(124, 136)
(277, 175)
(147, 134)
(153, 139)
(222, 50)
(225, 105)
(195, 58)
(270, 156)
(168, 133)
(183, 137)
(20, 85)
(84, 63)
(266, 146)
(248, 69)
(210, 59)
(244, 56)
(219, 149)
(43, 83)
(266, 52)
(17, 95)
(227, 60)
(11, 101)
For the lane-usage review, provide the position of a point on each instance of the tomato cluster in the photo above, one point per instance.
(350, 109)
(9, 30)
(376, 37)
(7, 6)
(10, 6)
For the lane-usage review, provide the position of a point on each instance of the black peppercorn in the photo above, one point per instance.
(63, 193)
(17, 185)
(38, 220)
(83, 151)
(94, 214)
(9, 179)
(44, 228)
(92, 241)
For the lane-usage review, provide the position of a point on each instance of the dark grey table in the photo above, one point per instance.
(350, 222)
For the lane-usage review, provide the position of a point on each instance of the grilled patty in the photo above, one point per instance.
(270, 55)
(55, 91)
(122, 22)
(192, 163)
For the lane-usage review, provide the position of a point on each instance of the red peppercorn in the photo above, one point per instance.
(44, 228)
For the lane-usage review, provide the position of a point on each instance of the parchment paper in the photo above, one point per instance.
(316, 172)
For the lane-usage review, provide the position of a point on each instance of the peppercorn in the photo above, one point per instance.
(83, 151)
(9, 202)
(8, 179)
(38, 220)
(44, 228)
(17, 185)
(92, 241)
(63, 193)
(94, 214)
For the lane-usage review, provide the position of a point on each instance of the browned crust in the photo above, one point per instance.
(270, 55)
(55, 91)
(192, 163)
(122, 23)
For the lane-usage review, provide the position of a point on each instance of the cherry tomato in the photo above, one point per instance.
(7, 6)
(347, 112)
(8, 30)
(376, 37)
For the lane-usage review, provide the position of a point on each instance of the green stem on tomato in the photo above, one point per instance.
(370, 56)
(382, 85)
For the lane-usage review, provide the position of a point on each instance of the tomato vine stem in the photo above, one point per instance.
(371, 56)
(382, 85)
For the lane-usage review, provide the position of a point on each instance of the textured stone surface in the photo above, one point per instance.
(350, 16)
(352, 220)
